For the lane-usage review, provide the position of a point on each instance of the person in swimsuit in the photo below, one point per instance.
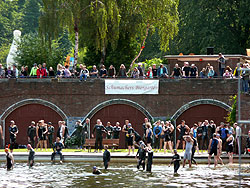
(168, 129)
(183, 129)
(219, 150)
(157, 133)
(212, 149)
(41, 131)
(230, 142)
(130, 138)
(31, 155)
(188, 151)
(31, 132)
(149, 134)
(194, 148)
(9, 159)
(176, 160)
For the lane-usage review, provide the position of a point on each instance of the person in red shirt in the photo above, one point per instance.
(40, 72)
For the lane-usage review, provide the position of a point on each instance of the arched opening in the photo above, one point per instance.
(120, 112)
(29, 110)
(200, 110)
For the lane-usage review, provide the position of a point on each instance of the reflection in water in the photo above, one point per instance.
(120, 175)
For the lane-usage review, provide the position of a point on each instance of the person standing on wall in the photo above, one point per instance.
(98, 129)
(13, 130)
(32, 134)
(222, 64)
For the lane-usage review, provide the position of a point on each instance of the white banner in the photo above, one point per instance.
(132, 87)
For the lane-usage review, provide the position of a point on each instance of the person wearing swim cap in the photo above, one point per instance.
(31, 155)
(130, 135)
(230, 142)
(9, 159)
(141, 155)
(96, 171)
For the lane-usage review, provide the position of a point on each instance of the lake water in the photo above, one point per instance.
(121, 175)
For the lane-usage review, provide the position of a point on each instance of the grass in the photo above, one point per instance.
(79, 150)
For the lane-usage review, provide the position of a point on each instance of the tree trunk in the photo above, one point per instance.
(76, 44)
(142, 46)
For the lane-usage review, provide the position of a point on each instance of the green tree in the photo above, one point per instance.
(30, 18)
(32, 49)
(73, 14)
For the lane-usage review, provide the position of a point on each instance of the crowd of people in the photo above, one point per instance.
(201, 136)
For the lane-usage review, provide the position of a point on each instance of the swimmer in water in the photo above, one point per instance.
(106, 157)
(176, 160)
(31, 155)
(9, 159)
(96, 171)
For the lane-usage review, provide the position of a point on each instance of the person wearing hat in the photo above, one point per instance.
(13, 130)
(9, 159)
(31, 155)
(51, 131)
(96, 171)
(31, 132)
(176, 160)
(230, 142)
(247, 149)
(33, 71)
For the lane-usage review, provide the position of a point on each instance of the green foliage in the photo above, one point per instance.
(231, 118)
(4, 51)
(31, 49)
(72, 141)
(224, 25)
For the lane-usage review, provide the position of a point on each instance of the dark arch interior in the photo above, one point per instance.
(120, 112)
(27, 113)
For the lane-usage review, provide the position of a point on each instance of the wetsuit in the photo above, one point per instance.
(150, 160)
(79, 134)
(98, 137)
(199, 136)
(149, 136)
(110, 130)
(9, 161)
(106, 158)
(97, 172)
(41, 134)
(223, 132)
(157, 133)
(65, 136)
(142, 157)
(31, 157)
(57, 148)
(13, 130)
(211, 130)
(137, 137)
(182, 132)
(230, 145)
(193, 150)
(204, 137)
(214, 147)
(177, 160)
(116, 132)
(144, 130)
(51, 131)
(32, 134)
(85, 132)
(167, 134)
(129, 136)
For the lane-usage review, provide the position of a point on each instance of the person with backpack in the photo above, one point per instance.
(212, 149)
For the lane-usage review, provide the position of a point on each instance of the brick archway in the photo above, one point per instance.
(40, 105)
